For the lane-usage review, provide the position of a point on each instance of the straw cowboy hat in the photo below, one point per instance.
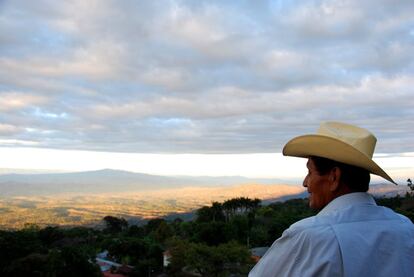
(339, 142)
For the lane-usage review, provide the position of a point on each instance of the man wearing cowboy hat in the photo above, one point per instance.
(351, 235)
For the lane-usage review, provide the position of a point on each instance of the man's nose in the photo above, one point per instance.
(305, 182)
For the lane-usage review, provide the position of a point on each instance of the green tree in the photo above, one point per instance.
(259, 236)
(34, 264)
(213, 213)
(135, 231)
(178, 250)
(115, 224)
(240, 205)
(72, 262)
(239, 225)
(153, 224)
(134, 248)
(218, 260)
(50, 235)
(163, 232)
(67, 262)
(213, 233)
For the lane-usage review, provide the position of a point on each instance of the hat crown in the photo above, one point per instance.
(357, 137)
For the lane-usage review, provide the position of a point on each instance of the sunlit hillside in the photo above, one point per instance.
(84, 198)
(89, 209)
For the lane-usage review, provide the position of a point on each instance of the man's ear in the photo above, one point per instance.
(335, 178)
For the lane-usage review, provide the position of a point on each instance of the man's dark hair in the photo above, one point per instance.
(355, 178)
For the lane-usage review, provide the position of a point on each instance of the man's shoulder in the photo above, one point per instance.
(309, 232)
(311, 224)
(348, 218)
(348, 215)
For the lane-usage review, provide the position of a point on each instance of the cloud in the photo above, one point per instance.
(204, 76)
(7, 129)
(10, 101)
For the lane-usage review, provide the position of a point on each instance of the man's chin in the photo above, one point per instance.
(310, 202)
(313, 205)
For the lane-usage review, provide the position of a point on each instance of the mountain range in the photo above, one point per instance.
(108, 180)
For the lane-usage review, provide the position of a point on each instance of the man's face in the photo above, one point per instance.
(318, 187)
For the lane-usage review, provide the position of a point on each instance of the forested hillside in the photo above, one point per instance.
(217, 243)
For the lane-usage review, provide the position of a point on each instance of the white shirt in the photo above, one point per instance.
(351, 236)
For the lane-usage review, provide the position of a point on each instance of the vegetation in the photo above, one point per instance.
(216, 243)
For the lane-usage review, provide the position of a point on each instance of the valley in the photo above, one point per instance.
(84, 198)
(89, 209)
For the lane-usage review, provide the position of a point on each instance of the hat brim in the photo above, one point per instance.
(334, 149)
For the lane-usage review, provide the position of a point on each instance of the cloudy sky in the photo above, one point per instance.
(201, 77)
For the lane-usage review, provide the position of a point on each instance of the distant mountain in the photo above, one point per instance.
(387, 190)
(107, 180)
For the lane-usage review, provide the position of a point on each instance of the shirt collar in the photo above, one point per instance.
(347, 200)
